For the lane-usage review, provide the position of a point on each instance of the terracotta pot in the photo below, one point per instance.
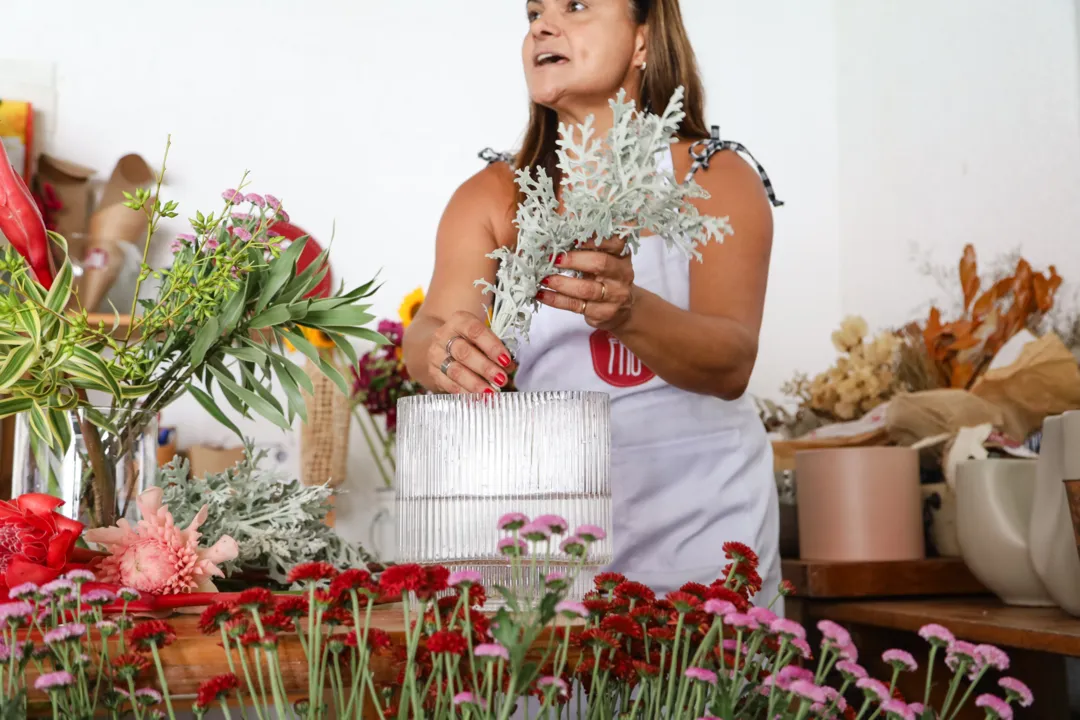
(993, 517)
(1051, 540)
(859, 504)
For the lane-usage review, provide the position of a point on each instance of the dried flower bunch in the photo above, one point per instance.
(863, 377)
(962, 349)
(611, 187)
(275, 523)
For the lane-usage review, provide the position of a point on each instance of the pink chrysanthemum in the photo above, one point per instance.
(936, 634)
(468, 698)
(234, 196)
(255, 199)
(803, 647)
(550, 681)
(719, 607)
(807, 690)
(53, 681)
(900, 660)
(1017, 691)
(995, 657)
(591, 533)
(556, 525)
(491, 650)
(701, 675)
(463, 577)
(573, 545)
(157, 557)
(849, 652)
(834, 634)
(513, 521)
(897, 708)
(535, 531)
(995, 706)
(790, 628)
(874, 689)
(851, 670)
(764, 616)
(240, 232)
(960, 652)
(571, 608)
(512, 546)
(741, 621)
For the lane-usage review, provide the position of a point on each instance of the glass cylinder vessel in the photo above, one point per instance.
(464, 461)
(112, 458)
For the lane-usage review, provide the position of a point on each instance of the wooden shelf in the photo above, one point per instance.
(980, 620)
(906, 578)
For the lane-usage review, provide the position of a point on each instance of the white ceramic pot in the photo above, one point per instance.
(993, 517)
(1050, 540)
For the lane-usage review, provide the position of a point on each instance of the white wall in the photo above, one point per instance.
(370, 114)
(958, 122)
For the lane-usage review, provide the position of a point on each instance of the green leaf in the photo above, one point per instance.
(293, 395)
(276, 315)
(359, 333)
(211, 407)
(234, 308)
(94, 360)
(60, 425)
(234, 400)
(347, 316)
(248, 353)
(16, 364)
(204, 338)
(250, 381)
(301, 378)
(60, 292)
(14, 405)
(39, 426)
(257, 403)
(31, 321)
(130, 392)
(311, 352)
(282, 268)
(342, 343)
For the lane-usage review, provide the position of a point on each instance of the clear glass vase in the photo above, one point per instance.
(464, 461)
(100, 474)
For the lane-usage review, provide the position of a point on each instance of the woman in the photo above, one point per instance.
(672, 341)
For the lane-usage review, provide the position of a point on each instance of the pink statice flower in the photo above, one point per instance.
(851, 670)
(834, 634)
(1017, 691)
(900, 660)
(701, 675)
(996, 708)
(233, 196)
(874, 689)
(897, 709)
(993, 656)
(936, 635)
(591, 533)
(157, 557)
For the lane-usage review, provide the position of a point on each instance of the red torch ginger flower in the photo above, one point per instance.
(157, 557)
(36, 542)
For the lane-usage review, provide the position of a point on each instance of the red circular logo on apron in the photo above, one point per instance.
(615, 364)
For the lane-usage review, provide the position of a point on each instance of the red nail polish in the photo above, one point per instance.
(560, 258)
(500, 379)
(541, 295)
(547, 280)
(504, 360)
(488, 391)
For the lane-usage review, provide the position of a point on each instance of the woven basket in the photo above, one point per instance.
(324, 438)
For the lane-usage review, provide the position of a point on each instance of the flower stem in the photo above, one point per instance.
(164, 682)
(967, 695)
(929, 674)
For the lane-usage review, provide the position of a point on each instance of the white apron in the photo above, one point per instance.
(689, 472)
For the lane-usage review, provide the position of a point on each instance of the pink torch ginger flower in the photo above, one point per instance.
(157, 557)
(996, 708)
(1017, 690)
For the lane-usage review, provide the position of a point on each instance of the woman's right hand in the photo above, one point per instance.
(477, 359)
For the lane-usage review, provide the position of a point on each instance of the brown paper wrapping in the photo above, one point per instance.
(324, 438)
(920, 415)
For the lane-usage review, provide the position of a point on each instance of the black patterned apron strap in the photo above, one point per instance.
(703, 150)
(491, 156)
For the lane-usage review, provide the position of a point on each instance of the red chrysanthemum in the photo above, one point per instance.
(376, 639)
(278, 621)
(129, 665)
(434, 582)
(696, 589)
(398, 580)
(622, 625)
(215, 689)
(683, 602)
(631, 590)
(214, 616)
(646, 670)
(256, 598)
(607, 581)
(787, 588)
(643, 614)
(597, 608)
(477, 595)
(293, 606)
(354, 580)
(312, 572)
(448, 642)
(663, 635)
(152, 633)
(594, 637)
(740, 553)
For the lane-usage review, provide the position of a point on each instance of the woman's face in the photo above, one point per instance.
(580, 53)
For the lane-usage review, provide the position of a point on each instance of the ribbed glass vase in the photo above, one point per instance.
(465, 461)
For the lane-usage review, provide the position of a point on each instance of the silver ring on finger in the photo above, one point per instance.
(450, 344)
(446, 365)
(603, 290)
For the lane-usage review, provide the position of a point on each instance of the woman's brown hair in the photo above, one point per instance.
(670, 63)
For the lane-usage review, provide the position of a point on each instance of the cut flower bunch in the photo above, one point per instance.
(621, 652)
(221, 314)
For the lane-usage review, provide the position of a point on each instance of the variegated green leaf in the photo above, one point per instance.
(16, 363)
(14, 405)
(94, 361)
(60, 292)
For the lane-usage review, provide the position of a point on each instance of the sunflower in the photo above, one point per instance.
(317, 338)
(410, 306)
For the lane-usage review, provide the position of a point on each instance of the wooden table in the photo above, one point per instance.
(884, 605)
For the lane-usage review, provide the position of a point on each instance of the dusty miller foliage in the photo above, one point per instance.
(276, 524)
(611, 187)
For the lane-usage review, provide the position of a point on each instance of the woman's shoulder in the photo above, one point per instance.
(488, 196)
(720, 171)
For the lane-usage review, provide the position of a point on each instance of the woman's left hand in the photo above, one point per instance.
(604, 294)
